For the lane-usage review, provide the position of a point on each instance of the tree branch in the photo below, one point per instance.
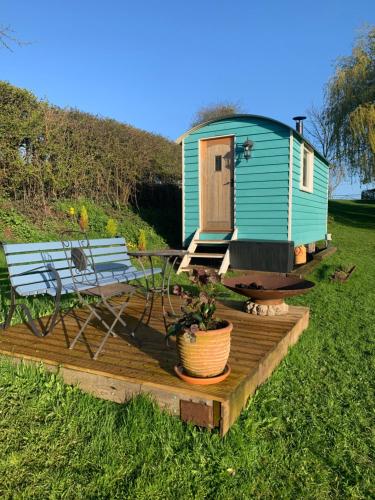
(7, 39)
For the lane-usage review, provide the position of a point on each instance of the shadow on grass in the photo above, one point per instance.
(358, 213)
(323, 272)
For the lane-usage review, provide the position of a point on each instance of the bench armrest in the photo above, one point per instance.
(35, 269)
(56, 275)
(51, 270)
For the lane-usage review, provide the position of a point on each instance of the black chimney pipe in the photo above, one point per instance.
(299, 123)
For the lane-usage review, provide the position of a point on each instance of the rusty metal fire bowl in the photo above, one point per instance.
(267, 291)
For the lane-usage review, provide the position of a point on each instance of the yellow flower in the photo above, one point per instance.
(83, 219)
(71, 211)
(142, 241)
(112, 227)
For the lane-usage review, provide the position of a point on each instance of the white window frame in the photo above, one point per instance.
(310, 169)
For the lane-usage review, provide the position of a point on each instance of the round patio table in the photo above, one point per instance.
(169, 257)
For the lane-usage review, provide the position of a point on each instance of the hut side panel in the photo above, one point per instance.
(309, 210)
(261, 183)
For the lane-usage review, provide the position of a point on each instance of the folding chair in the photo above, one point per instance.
(89, 282)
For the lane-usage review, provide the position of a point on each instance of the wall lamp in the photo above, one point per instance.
(247, 147)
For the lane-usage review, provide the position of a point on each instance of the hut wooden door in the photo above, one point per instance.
(217, 184)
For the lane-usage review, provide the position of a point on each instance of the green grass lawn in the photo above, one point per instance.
(307, 433)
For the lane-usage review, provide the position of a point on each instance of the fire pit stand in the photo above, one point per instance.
(266, 291)
(266, 307)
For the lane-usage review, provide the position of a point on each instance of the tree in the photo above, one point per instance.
(350, 108)
(321, 133)
(213, 111)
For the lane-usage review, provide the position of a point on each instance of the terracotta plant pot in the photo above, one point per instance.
(207, 356)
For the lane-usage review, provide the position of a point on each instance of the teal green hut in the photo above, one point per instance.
(253, 189)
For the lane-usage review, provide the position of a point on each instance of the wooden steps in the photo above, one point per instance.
(195, 252)
(206, 255)
(212, 242)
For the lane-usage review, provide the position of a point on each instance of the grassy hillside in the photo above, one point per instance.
(19, 222)
(307, 433)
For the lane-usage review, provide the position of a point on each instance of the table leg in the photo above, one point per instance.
(163, 290)
(149, 294)
(171, 267)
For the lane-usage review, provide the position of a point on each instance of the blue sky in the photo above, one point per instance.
(154, 63)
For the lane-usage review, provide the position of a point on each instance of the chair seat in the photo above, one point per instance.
(108, 291)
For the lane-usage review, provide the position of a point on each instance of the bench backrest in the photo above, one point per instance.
(29, 264)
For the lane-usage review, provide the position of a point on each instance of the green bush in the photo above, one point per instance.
(49, 153)
(13, 225)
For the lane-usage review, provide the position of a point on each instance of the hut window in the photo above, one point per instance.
(218, 163)
(307, 168)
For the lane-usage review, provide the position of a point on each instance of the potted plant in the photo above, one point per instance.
(203, 340)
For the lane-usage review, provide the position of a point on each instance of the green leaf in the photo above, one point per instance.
(197, 317)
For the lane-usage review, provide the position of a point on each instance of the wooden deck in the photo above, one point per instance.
(124, 369)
